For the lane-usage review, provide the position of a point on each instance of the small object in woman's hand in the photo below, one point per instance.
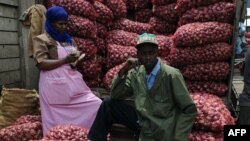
(71, 50)
(73, 65)
(81, 57)
(75, 53)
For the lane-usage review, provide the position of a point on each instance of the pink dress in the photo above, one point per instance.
(65, 98)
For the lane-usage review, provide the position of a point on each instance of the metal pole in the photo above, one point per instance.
(228, 100)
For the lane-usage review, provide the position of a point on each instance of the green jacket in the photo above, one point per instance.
(167, 110)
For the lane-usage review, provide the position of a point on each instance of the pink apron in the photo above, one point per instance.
(65, 98)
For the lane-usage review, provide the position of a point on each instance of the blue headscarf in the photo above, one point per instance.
(54, 14)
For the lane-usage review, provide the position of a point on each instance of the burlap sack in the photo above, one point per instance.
(0, 104)
(3, 122)
(18, 102)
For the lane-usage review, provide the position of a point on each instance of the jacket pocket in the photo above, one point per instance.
(160, 97)
(161, 105)
(77, 85)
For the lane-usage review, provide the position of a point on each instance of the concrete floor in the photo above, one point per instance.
(238, 82)
(237, 85)
(237, 77)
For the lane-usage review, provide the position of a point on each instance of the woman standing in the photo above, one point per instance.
(64, 96)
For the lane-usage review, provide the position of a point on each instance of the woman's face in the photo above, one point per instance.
(60, 26)
(147, 55)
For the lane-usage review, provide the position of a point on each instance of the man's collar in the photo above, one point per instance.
(156, 68)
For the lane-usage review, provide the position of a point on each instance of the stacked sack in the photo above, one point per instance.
(165, 16)
(87, 31)
(212, 115)
(202, 52)
(193, 36)
(106, 31)
(202, 42)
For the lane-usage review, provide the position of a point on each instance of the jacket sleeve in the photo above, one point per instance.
(121, 87)
(40, 51)
(36, 23)
(186, 118)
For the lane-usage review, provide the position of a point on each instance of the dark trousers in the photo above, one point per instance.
(113, 111)
(244, 115)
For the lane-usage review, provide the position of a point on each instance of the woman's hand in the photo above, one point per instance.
(79, 60)
(70, 58)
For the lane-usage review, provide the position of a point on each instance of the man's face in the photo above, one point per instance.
(147, 55)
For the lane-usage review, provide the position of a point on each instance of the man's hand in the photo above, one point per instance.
(129, 64)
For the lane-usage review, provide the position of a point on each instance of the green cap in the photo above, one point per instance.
(146, 38)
